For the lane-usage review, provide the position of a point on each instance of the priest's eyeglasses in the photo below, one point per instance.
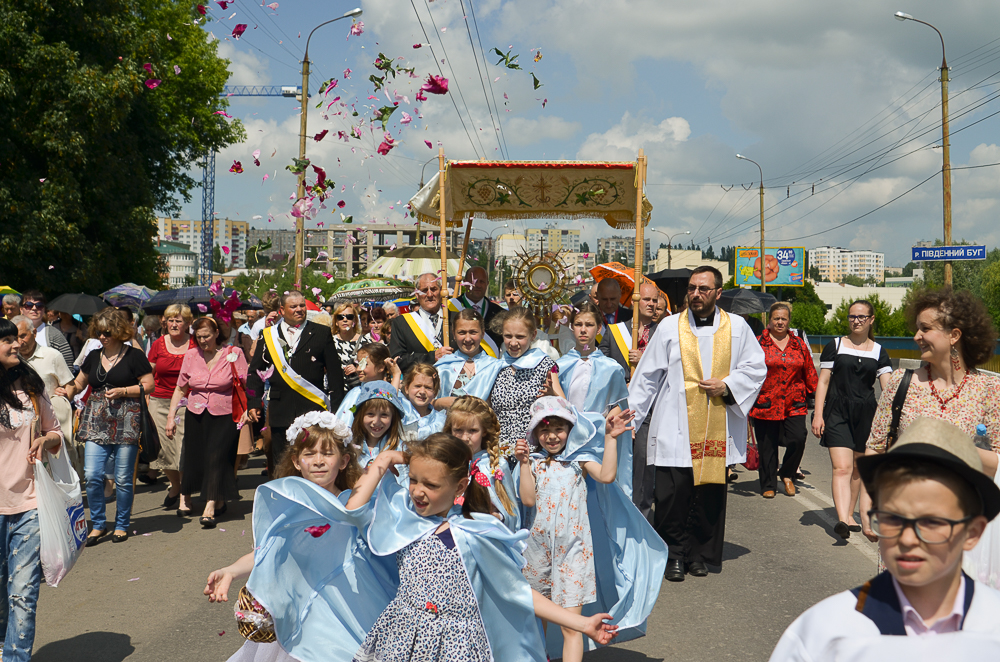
(704, 289)
(931, 530)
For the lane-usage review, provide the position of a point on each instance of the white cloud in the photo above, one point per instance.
(522, 131)
(245, 68)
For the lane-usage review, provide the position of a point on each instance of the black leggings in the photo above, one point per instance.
(790, 432)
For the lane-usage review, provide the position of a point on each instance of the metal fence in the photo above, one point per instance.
(903, 348)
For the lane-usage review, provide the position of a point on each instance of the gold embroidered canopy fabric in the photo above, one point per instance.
(508, 190)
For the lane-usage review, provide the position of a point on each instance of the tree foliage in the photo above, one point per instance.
(88, 150)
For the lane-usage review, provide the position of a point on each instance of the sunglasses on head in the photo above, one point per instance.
(30, 305)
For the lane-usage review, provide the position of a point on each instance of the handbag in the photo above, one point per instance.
(239, 392)
(149, 438)
(753, 456)
(897, 409)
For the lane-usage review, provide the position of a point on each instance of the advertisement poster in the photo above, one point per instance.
(783, 266)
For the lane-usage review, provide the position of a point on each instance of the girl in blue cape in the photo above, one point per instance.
(379, 417)
(461, 595)
(596, 383)
(305, 537)
(420, 388)
(470, 370)
(521, 376)
(374, 365)
(590, 549)
(471, 420)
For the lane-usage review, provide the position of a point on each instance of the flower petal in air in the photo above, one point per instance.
(148, 67)
(322, 134)
(153, 83)
(237, 167)
(405, 119)
(177, 70)
(202, 11)
(357, 28)
(435, 85)
(239, 30)
(317, 531)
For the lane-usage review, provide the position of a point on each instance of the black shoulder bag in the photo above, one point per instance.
(897, 409)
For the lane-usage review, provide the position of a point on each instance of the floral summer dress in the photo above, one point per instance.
(434, 616)
(560, 553)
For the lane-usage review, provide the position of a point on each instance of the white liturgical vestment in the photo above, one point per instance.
(657, 388)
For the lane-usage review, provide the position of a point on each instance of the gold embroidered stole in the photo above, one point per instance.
(707, 431)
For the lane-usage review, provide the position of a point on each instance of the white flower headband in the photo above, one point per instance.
(323, 419)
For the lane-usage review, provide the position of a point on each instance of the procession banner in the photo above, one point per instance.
(783, 266)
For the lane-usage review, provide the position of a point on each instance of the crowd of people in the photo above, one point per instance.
(517, 465)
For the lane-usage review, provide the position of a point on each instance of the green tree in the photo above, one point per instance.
(218, 262)
(88, 150)
(991, 291)
(584, 247)
(885, 324)
(849, 279)
(809, 317)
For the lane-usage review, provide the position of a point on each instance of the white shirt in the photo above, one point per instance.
(914, 622)
(291, 334)
(657, 391)
(580, 384)
(256, 329)
(436, 340)
(40, 336)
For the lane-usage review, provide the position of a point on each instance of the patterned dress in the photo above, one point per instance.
(513, 394)
(559, 559)
(434, 616)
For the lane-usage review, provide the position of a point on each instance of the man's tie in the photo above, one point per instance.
(435, 317)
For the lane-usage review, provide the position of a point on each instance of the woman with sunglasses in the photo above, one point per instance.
(845, 406)
(118, 375)
(347, 339)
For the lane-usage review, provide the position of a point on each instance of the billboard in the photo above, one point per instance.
(783, 266)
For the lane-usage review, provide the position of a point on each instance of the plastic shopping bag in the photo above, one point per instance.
(61, 520)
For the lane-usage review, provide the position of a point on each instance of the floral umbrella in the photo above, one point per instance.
(128, 295)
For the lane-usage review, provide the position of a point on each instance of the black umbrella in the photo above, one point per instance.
(673, 283)
(77, 304)
(745, 302)
(192, 296)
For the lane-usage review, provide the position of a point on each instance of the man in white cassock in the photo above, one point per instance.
(696, 381)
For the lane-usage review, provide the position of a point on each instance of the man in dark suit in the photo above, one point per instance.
(307, 353)
(475, 297)
(417, 335)
(609, 295)
(617, 343)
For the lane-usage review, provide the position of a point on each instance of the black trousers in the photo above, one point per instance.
(690, 519)
(789, 432)
(643, 475)
(279, 444)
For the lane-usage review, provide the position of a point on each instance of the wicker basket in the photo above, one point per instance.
(254, 622)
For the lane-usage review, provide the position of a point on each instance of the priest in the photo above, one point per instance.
(696, 381)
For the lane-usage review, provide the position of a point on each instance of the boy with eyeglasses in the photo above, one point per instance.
(931, 503)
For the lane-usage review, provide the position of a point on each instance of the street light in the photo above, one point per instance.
(763, 285)
(670, 243)
(945, 143)
(493, 252)
(300, 229)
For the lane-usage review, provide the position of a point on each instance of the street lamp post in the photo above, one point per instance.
(945, 143)
(300, 229)
(670, 243)
(493, 252)
(763, 285)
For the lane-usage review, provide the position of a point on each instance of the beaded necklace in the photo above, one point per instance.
(937, 396)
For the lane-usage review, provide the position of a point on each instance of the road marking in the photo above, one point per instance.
(857, 539)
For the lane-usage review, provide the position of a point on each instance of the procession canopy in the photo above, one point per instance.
(508, 190)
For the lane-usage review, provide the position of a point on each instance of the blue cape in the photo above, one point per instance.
(353, 398)
(607, 388)
(324, 593)
(492, 558)
(629, 556)
(512, 522)
(425, 426)
(451, 364)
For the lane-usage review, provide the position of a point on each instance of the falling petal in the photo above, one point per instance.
(347, 73)
(134, 579)
(153, 83)
(148, 67)
(322, 134)
(202, 308)
(273, 6)
(224, 4)
(317, 531)
(237, 167)
(201, 9)
(225, 249)
(169, 38)
(429, 145)
(357, 28)
(405, 119)
(435, 85)
(177, 70)
(418, 45)
(538, 55)
(239, 30)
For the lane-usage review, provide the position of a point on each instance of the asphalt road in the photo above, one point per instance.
(142, 600)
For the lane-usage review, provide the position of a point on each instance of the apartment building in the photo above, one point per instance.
(552, 239)
(179, 262)
(228, 233)
(621, 247)
(834, 263)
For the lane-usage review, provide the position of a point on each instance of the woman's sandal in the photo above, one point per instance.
(207, 522)
(93, 540)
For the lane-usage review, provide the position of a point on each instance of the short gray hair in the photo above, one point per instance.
(390, 307)
(12, 300)
(18, 319)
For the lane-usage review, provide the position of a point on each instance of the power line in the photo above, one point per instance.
(497, 124)
(437, 64)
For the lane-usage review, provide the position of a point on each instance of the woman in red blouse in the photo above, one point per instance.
(166, 356)
(779, 415)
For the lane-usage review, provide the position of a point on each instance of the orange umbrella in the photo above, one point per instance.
(619, 272)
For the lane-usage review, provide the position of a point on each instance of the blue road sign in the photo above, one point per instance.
(941, 253)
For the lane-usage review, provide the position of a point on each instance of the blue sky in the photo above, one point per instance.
(808, 90)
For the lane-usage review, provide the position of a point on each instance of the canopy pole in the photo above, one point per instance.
(465, 251)
(640, 181)
(445, 338)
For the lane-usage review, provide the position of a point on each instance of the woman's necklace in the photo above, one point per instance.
(102, 374)
(934, 391)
